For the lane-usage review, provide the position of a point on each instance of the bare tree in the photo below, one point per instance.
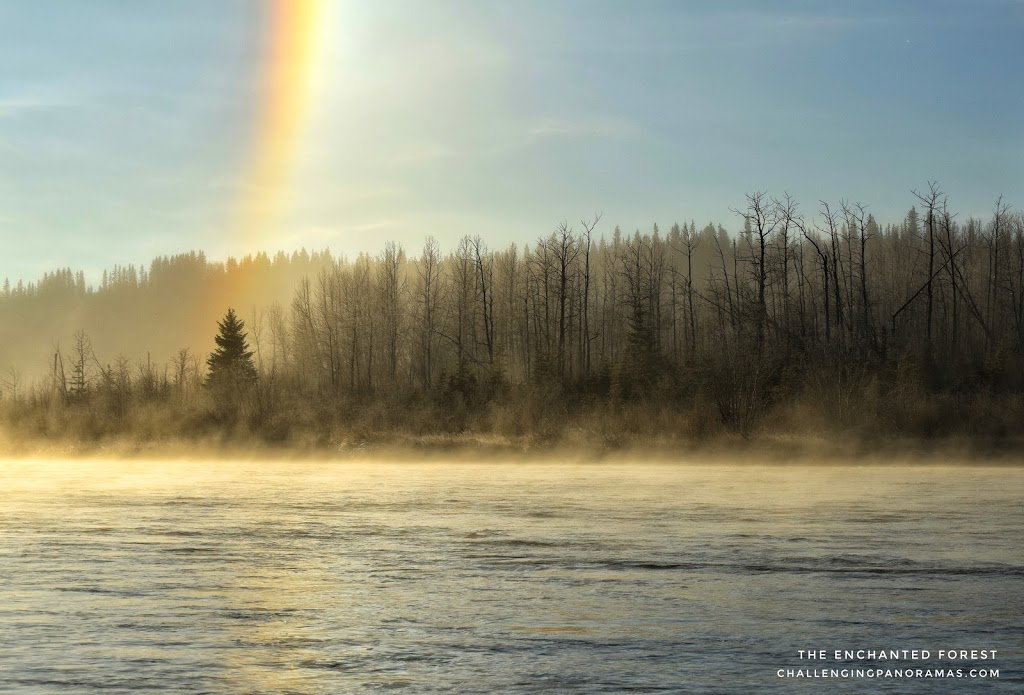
(762, 218)
(931, 201)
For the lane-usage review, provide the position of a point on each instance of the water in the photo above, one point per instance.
(228, 577)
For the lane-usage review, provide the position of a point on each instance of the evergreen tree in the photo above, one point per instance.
(232, 361)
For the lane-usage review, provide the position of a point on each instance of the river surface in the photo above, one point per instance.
(262, 577)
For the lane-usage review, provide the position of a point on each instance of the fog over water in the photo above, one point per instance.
(308, 577)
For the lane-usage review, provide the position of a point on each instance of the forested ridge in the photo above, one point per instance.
(820, 324)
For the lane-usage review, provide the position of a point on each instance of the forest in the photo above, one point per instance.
(822, 326)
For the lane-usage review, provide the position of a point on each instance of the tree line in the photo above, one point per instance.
(801, 320)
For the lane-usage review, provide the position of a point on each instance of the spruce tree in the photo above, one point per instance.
(232, 361)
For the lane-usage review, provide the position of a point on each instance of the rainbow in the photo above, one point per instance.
(292, 28)
(291, 33)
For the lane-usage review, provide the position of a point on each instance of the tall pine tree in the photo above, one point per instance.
(232, 361)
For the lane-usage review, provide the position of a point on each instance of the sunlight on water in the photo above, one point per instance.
(235, 577)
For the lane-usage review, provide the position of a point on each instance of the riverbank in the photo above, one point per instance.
(855, 424)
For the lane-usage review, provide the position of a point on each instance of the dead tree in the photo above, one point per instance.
(761, 217)
(931, 202)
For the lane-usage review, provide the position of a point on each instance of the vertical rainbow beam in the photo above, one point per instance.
(292, 31)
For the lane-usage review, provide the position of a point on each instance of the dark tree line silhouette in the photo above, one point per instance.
(799, 323)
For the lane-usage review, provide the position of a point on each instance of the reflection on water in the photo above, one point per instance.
(231, 577)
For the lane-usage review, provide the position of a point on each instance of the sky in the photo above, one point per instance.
(130, 130)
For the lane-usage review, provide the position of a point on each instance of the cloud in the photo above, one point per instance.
(520, 136)
(29, 98)
(581, 128)
(424, 152)
(320, 235)
(16, 107)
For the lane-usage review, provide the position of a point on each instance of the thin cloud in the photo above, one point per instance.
(16, 107)
(521, 137)
(582, 128)
(425, 152)
(811, 20)
(312, 237)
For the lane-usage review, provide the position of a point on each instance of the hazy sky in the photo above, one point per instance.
(126, 128)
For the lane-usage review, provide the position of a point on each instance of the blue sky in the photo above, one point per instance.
(124, 127)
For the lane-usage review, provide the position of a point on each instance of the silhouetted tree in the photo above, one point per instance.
(232, 361)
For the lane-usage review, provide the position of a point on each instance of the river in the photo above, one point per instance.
(338, 577)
